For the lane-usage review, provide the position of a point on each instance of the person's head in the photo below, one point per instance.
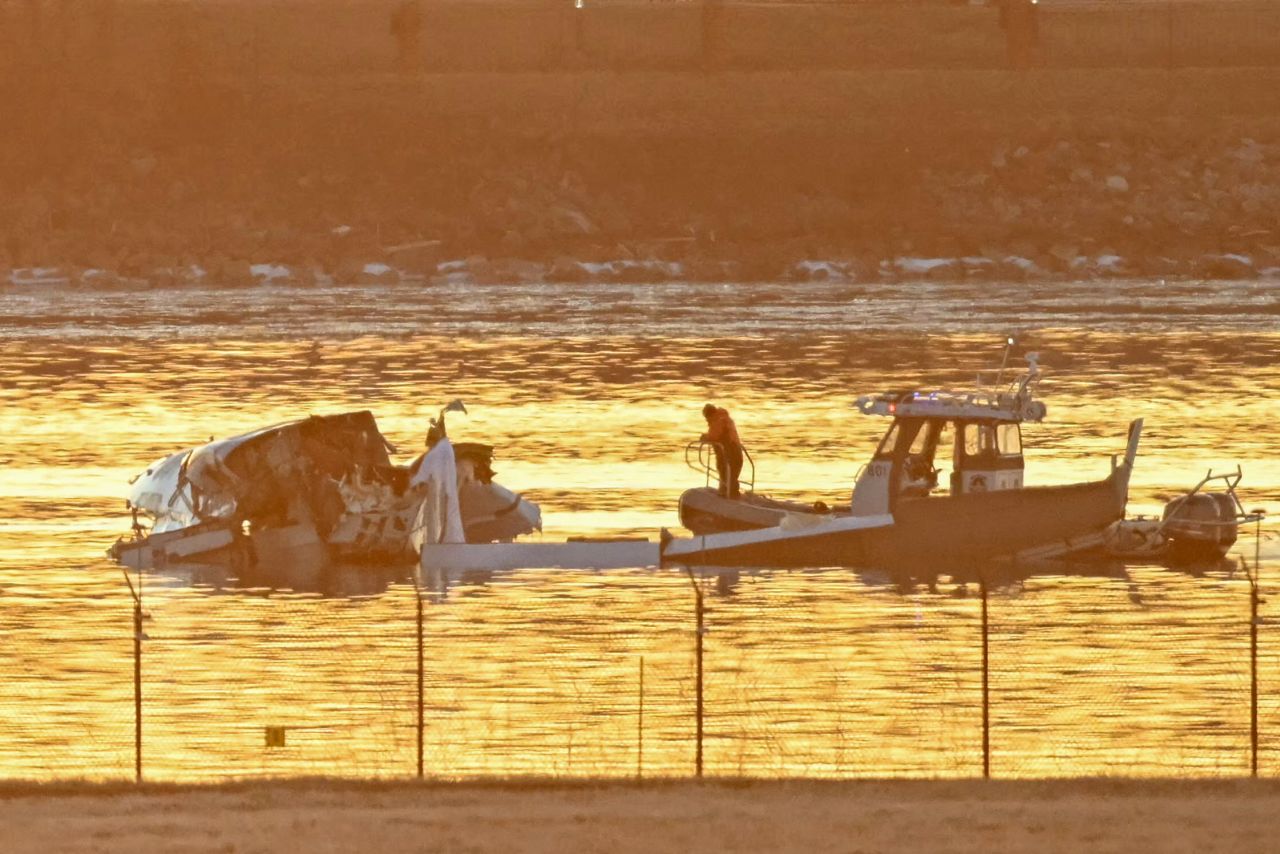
(434, 434)
(708, 411)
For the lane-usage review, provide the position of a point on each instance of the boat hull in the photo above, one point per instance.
(704, 511)
(1003, 524)
(798, 541)
(938, 529)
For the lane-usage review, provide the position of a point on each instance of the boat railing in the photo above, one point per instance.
(700, 456)
(991, 384)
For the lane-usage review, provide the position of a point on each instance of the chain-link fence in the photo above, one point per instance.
(833, 674)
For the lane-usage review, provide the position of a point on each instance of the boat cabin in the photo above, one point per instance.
(919, 456)
(946, 442)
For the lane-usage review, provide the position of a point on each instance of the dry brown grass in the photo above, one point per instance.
(898, 817)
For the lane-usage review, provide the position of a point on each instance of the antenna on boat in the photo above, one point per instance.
(1009, 341)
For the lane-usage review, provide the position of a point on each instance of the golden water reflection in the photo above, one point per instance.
(831, 673)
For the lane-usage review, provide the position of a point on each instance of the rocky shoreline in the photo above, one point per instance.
(233, 199)
(485, 271)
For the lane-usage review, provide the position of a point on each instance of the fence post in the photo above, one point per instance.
(986, 682)
(699, 612)
(421, 722)
(1253, 669)
(136, 594)
(640, 726)
(137, 687)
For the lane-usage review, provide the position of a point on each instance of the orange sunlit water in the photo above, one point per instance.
(590, 394)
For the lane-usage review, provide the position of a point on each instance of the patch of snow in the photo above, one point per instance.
(666, 268)
(1249, 152)
(670, 269)
(1233, 256)
(451, 266)
(342, 230)
(1118, 184)
(811, 270)
(1108, 262)
(829, 267)
(270, 272)
(39, 276)
(377, 268)
(976, 261)
(921, 265)
(1025, 264)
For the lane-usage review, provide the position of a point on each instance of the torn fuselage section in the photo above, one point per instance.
(317, 490)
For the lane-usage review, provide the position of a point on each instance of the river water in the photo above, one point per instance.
(590, 393)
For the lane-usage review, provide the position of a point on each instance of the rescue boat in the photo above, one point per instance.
(901, 514)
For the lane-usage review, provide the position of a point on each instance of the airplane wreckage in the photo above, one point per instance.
(321, 490)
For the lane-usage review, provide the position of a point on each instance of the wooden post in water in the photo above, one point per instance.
(986, 683)
(640, 726)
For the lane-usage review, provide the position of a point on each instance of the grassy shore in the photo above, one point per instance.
(891, 817)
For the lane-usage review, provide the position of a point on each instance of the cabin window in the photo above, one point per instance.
(979, 439)
(1009, 440)
(920, 442)
(944, 439)
(888, 443)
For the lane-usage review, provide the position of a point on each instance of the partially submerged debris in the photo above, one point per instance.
(319, 489)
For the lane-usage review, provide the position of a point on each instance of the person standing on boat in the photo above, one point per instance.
(723, 433)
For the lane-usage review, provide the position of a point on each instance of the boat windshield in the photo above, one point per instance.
(888, 443)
